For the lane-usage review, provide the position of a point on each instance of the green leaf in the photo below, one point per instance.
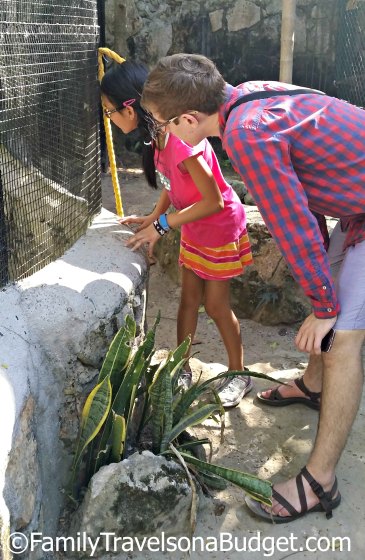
(254, 486)
(212, 481)
(93, 416)
(178, 356)
(132, 377)
(118, 438)
(161, 402)
(149, 343)
(119, 351)
(121, 403)
(143, 392)
(195, 417)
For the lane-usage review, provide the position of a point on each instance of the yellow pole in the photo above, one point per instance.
(108, 130)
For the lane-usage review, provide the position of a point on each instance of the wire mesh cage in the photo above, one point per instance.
(49, 137)
(350, 52)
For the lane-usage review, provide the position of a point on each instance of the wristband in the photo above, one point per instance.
(160, 230)
(163, 222)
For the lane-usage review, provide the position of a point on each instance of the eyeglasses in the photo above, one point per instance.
(155, 128)
(109, 112)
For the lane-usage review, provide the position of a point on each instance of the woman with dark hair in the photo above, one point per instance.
(214, 243)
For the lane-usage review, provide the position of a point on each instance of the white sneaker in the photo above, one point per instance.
(234, 390)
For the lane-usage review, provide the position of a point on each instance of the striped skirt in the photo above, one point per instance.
(216, 263)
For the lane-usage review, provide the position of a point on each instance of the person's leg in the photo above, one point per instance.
(342, 384)
(218, 307)
(192, 291)
(312, 377)
(341, 393)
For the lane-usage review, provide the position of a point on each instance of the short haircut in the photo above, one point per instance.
(184, 82)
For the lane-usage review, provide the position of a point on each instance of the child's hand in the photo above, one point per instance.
(145, 221)
(148, 235)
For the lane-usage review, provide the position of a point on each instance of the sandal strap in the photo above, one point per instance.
(275, 395)
(283, 502)
(301, 492)
(325, 498)
(313, 396)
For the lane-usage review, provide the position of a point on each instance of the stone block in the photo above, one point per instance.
(141, 496)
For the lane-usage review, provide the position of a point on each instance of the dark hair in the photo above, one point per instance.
(125, 81)
(184, 82)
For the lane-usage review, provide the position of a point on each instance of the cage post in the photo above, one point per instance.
(287, 40)
(3, 241)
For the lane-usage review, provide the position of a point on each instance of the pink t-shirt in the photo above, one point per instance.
(215, 230)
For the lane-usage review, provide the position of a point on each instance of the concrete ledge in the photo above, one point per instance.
(55, 327)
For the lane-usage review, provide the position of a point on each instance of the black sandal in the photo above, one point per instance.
(276, 399)
(327, 501)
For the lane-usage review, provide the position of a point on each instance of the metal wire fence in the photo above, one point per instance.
(49, 137)
(350, 52)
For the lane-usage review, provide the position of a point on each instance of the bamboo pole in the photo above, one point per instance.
(287, 40)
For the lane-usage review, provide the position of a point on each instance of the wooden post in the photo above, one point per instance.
(287, 40)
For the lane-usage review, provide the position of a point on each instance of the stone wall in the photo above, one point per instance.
(241, 36)
(55, 328)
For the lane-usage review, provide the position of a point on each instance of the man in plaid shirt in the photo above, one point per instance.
(299, 155)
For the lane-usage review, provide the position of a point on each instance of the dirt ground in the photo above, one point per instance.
(272, 443)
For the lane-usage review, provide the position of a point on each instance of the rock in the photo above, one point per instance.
(240, 188)
(216, 18)
(243, 15)
(248, 200)
(141, 496)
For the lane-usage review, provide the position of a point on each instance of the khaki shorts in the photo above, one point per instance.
(348, 270)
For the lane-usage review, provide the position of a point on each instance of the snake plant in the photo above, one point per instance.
(134, 394)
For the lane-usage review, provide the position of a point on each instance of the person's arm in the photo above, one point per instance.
(210, 203)
(162, 205)
(265, 165)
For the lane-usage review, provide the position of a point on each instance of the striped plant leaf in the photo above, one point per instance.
(145, 416)
(93, 416)
(195, 417)
(118, 438)
(119, 352)
(122, 405)
(160, 392)
(198, 389)
(179, 356)
(149, 342)
(259, 489)
(132, 377)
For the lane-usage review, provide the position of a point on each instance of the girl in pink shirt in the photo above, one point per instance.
(214, 244)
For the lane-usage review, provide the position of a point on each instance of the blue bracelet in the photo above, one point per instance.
(163, 222)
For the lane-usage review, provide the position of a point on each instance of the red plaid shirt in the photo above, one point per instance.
(299, 155)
